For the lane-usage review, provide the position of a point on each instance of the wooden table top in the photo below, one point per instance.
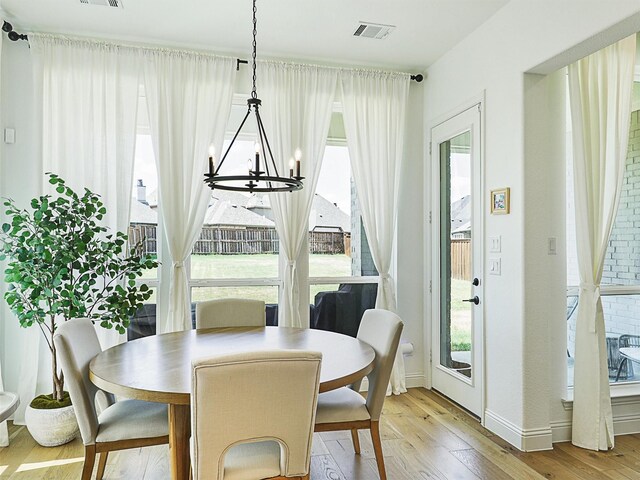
(158, 368)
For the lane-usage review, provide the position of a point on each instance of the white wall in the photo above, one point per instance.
(524, 320)
(21, 177)
(410, 241)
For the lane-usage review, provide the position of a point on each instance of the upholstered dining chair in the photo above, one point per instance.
(345, 408)
(260, 423)
(123, 424)
(230, 312)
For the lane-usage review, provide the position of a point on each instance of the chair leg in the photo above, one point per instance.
(102, 464)
(356, 440)
(622, 363)
(377, 448)
(89, 461)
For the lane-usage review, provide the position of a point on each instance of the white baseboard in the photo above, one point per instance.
(527, 440)
(412, 380)
(561, 431)
(625, 422)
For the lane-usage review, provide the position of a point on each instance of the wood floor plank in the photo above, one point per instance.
(323, 467)
(351, 465)
(424, 436)
(481, 465)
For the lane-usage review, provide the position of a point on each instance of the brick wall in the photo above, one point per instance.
(622, 264)
(361, 259)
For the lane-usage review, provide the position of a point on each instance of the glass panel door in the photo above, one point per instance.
(457, 259)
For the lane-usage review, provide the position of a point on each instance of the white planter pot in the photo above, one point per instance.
(52, 427)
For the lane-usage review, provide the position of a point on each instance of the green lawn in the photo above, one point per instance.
(257, 266)
(460, 315)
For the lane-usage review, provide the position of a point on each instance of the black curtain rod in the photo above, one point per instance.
(15, 36)
(418, 78)
(12, 34)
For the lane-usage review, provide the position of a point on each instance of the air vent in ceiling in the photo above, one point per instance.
(104, 3)
(373, 30)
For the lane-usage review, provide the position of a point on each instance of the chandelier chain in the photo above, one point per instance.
(254, 93)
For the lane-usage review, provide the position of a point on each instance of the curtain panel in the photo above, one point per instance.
(189, 100)
(600, 88)
(87, 97)
(298, 105)
(374, 109)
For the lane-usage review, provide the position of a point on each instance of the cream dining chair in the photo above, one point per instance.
(345, 408)
(230, 312)
(123, 424)
(252, 415)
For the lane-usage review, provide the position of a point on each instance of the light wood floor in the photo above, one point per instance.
(423, 436)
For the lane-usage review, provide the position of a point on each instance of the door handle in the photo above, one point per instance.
(475, 300)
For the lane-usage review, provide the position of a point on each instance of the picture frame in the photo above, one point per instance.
(500, 201)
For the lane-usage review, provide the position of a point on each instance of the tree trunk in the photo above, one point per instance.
(58, 379)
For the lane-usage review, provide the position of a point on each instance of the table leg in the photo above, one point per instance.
(179, 434)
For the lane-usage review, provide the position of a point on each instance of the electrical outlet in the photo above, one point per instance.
(495, 244)
(495, 266)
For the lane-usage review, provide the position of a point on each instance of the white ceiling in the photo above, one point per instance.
(311, 30)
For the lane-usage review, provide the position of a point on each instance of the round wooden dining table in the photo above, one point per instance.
(158, 368)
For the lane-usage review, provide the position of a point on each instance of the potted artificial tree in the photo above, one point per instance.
(63, 264)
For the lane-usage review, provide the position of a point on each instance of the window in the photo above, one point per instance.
(340, 263)
(620, 288)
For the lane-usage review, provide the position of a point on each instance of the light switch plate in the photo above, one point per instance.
(495, 244)
(9, 135)
(495, 266)
(552, 243)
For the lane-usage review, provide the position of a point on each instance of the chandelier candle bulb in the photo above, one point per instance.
(291, 168)
(257, 172)
(249, 165)
(298, 158)
(212, 159)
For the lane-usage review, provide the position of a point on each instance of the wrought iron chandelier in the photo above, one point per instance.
(257, 180)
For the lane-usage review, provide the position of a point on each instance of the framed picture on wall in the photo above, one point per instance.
(500, 201)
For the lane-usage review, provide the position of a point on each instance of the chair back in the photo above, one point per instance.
(629, 341)
(231, 312)
(252, 397)
(381, 329)
(77, 344)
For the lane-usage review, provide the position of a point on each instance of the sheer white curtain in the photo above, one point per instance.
(600, 90)
(86, 96)
(89, 99)
(374, 109)
(189, 99)
(298, 103)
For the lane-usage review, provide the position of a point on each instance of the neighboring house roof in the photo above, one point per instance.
(234, 198)
(461, 214)
(223, 212)
(326, 216)
(141, 213)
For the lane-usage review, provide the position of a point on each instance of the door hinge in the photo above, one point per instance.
(430, 143)
(429, 286)
(430, 356)
(429, 217)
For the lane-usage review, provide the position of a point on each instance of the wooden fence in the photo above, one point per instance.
(229, 240)
(145, 234)
(236, 241)
(329, 242)
(461, 258)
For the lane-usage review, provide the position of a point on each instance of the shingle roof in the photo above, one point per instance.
(141, 213)
(223, 212)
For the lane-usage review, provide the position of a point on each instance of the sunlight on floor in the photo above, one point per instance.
(25, 467)
(3, 468)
